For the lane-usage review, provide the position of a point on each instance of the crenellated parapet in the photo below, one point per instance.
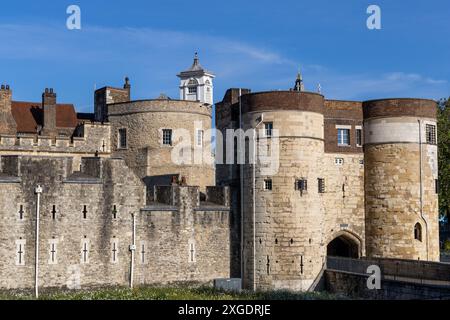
(95, 138)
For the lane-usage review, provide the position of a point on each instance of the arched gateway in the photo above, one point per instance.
(344, 245)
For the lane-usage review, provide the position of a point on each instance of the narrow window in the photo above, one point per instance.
(192, 251)
(122, 138)
(21, 212)
(268, 128)
(114, 250)
(167, 137)
(85, 251)
(20, 252)
(418, 232)
(52, 252)
(199, 138)
(143, 253)
(268, 184)
(344, 137)
(436, 186)
(114, 212)
(54, 212)
(84, 212)
(431, 134)
(359, 137)
(321, 185)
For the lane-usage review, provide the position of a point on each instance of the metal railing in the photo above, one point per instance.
(395, 269)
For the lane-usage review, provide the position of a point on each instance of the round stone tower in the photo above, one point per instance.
(401, 172)
(162, 138)
(282, 211)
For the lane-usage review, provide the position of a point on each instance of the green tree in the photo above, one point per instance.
(444, 156)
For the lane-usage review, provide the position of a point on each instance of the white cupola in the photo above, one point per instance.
(196, 83)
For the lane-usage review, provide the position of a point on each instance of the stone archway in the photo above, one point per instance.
(344, 245)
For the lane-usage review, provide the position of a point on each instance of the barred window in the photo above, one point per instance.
(321, 185)
(122, 138)
(167, 137)
(268, 184)
(301, 184)
(431, 133)
(192, 90)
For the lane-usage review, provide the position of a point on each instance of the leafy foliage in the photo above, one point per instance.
(444, 156)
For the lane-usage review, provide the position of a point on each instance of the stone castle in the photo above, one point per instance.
(353, 179)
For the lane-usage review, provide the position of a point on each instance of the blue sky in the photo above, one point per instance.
(253, 44)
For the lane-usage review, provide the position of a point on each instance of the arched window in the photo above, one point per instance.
(418, 232)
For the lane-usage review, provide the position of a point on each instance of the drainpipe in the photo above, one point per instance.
(241, 174)
(133, 249)
(421, 188)
(38, 192)
(254, 199)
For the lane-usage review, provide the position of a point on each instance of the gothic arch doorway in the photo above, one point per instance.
(344, 245)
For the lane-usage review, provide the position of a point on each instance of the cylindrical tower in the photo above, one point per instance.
(283, 213)
(161, 138)
(401, 172)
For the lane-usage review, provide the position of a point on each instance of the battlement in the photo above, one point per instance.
(217, 198)
(94, 138)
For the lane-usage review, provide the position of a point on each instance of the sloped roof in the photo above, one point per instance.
(29, 115)
(195, 69)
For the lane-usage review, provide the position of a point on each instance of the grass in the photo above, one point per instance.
(170, 293)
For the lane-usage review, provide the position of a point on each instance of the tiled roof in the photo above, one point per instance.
(28, 116)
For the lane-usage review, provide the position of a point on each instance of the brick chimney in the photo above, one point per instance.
(7, 123)
(49, 112)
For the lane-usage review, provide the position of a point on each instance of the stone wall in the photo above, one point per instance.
(86, 227)
(355, 286)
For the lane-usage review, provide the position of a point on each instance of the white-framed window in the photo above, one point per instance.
(268, 184)
(122, 138)
(167, 137)
(359, 137)
(343, 137)
(199, 138)
(430, 131)
(268, 126)
(339, 161)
